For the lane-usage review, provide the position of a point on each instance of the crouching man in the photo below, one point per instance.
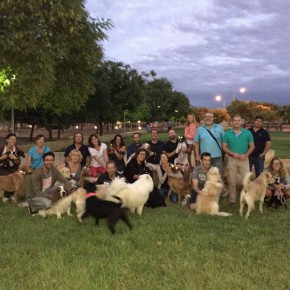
(44, 182)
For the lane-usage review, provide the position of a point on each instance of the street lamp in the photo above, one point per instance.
(221, 98)
(241, 90)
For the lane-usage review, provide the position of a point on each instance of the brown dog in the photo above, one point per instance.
(13, 183)
(179, 186)
(255, 190)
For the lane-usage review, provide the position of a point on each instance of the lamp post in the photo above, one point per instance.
(221, 98)
(241, 90)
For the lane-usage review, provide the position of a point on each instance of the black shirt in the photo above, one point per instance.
(157, 149)
(105, 178)
(133, 168)
(169, 147)
(260, 138)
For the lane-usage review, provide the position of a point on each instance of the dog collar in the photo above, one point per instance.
(90, 194)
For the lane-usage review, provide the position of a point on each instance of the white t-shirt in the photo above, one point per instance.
(99, 153)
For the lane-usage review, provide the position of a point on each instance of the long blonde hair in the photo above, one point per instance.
(282, 171)
(194, 120)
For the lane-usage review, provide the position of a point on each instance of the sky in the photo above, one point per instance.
(204, 47)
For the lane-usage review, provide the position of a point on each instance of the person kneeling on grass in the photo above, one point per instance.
(199, 178)
(45, 181)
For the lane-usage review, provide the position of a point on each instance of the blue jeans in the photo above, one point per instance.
(173, 196)
(258, 163)
(193, 196)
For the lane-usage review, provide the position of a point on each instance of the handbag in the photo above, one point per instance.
(223, 154)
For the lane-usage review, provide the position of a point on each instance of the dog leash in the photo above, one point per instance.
(279, 194)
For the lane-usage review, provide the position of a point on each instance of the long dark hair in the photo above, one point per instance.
(90, 140)
(122, 141)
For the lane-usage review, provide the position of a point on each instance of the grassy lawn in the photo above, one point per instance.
(168, 248)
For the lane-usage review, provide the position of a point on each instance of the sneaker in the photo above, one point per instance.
(31, 211)
(23, 204)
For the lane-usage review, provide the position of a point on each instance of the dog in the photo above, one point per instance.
(104, 209)
(155, 199)
(65, 172)
(63, 205)
(12, 183)
(135, 195)
(178, 185)
(59, 193)
(181, 150)
(208, 202)
(277, 199)
(255, 190)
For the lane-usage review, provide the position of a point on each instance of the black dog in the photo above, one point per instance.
(101, 209)
(277, 200)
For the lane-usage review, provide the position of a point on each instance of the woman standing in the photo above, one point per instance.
(34, 159)
(190, 132)
(99, 155)
(117, 152)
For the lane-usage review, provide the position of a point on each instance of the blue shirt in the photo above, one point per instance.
(206, 141)
(36, 159)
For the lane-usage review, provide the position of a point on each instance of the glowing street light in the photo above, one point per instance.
(242, 90)
(221, 98)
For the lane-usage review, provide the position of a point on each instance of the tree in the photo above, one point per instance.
(53, 49)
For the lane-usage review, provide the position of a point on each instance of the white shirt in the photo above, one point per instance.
(99, 153)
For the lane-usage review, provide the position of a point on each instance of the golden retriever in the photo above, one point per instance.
(63, 205)
(13, 183)
(208, 202)
(179, 186)
(255, 190)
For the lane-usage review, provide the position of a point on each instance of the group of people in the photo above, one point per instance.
(240, 148)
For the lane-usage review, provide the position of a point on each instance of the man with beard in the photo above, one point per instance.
(133, 146)
(171, 145)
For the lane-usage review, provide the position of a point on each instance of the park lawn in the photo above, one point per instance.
(168, 248)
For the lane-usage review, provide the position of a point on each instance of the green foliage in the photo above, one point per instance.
(284, 113)
(52, 47)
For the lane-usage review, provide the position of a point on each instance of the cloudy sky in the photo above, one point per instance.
(204, 47)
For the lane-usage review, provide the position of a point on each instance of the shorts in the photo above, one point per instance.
(96, 171)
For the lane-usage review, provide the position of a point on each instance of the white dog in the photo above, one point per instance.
(134, 195)
(63, 205)
(207, 202)
(182, 157)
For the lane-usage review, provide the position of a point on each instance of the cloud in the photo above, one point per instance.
(204, 47)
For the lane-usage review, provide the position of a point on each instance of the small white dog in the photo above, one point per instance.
(63, 205)
(134, 195)
(181, 150)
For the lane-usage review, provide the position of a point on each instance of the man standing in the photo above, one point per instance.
(78, 144)
(171, 145)
(209, 139)
(44, 184)
(262, 143)
(199, 177)
(238, 143)
(134, 146)
(157, 147)
(110, 174)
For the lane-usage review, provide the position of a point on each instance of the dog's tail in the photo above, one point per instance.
(222, 213)
(115, 199)
(247, 179)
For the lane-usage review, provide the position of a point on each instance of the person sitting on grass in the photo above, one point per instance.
(117, 151)
(45, 181)
(199, 178)
(110, 174)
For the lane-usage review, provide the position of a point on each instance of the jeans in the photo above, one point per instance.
(173, 196)
(193, 196)
(258, 163)
(218, 162)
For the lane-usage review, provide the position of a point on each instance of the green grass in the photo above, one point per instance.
(169, 248)
(280, 143)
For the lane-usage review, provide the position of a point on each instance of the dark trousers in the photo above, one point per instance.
(258, 163)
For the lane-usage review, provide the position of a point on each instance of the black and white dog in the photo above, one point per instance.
(104, 209)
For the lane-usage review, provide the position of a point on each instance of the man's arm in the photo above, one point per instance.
(197, 152)
(229, 152)
(195, 186)
(266, 149)
(250, 150)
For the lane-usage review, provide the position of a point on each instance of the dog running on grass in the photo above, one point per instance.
(104, 209)
(255, 190)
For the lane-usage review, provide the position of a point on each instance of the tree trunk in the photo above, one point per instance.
(31, 132)
(101, 127)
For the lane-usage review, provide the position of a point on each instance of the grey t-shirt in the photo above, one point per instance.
(199, 174)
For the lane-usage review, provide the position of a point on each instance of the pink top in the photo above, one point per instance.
(190, 131)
